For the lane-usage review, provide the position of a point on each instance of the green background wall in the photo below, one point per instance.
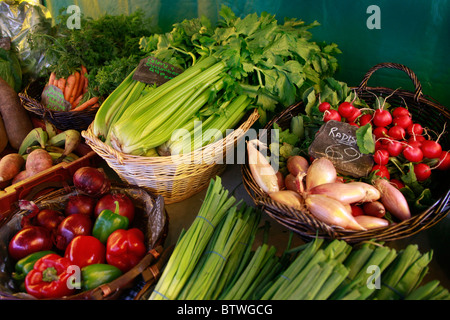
(415, 33)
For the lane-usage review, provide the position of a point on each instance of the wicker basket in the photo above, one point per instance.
(150, 217)
(62, 120)
(425, 111)
(174, 177)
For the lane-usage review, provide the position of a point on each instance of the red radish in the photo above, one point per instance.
(397, 132)
(422, 171)
(397, 183)
(400, 111)
(413, 154)
(356, 210)
(381, 171)
(417, 138)
(431, 149)
(324, 106)
(382, 118)
(394, 148)
(381, 157)
(402, 121)
(354, 115)
(365, 119)
(414, 129)
(331, 115)
(415, 143)
(346, 109)
(380, 132)
(444, 161)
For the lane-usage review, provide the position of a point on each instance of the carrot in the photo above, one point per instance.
(77, 101)
(69, 88)
(51, 80)
(83, 70)
(76, 84)
(86, 104)
(86, 84)
(61, 84)
(80, 85)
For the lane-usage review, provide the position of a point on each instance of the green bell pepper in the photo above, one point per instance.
(97, 274)
(26, 264)
(107, 222)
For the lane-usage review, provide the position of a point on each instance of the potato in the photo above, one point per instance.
(10, 166)
(37, 161)
(15, 117)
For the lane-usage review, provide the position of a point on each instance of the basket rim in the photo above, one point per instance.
(420, 221)
(103, 149)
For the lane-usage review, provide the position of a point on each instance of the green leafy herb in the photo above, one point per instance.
(364, 139)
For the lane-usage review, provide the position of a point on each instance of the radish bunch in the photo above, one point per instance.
(397, 136)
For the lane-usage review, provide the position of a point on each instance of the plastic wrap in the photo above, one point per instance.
(17, 20)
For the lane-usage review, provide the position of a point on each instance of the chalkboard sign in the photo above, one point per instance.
(337, 141)
(53, 98)
(154, 71)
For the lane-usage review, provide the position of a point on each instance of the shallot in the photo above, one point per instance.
(331, 212)
(394, 201)
(287, 197)
(263, 173)
(319, 172)
(370, 222)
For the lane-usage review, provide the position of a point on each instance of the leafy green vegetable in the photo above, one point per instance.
(10, 69)
(364, 139)
(108, 47)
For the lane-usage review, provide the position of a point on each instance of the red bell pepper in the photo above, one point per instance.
(85, 250)
(125, 248)
(49, 277)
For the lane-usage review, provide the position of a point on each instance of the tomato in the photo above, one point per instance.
(413, 154)
(422, 171)
(346, 109)
(85, 250)
(324, 106)
(381, 157)
(444, 161)
(402, 121)
(331, 115)
(381, 171)
(397, 132)
(382, 118)
(431, 149)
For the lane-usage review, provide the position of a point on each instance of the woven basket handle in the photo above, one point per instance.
(390, 65)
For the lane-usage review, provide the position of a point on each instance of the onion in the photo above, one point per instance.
(319, 172)
(394, 201)
(263, 173)
(296, 165)
(370, 222)
(91, 181)
(287, 197)
(80, 204)
(331, 212)
(72, 226)
(49, 219)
